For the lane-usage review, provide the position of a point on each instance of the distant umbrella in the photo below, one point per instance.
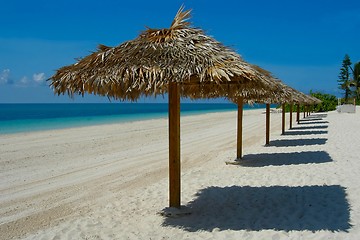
(279, 93)
(181, 61)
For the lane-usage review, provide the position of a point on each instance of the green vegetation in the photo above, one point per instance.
(349, 80)
(356, 75)
(287, 107)
(344, 77)
(329, 102)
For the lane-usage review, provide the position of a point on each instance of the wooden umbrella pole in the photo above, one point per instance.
(283, 119)
(267, 124)
(240, 104)
(304, 110)
(291, 113)
(298, 113)
(174, 145)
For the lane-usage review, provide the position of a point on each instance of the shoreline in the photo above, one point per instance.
(110, 181)
(35, 125)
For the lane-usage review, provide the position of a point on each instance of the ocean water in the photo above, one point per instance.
(15, 118)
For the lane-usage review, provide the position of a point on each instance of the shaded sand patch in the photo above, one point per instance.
(276, 208)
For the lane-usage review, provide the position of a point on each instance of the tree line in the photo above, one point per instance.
(349, 80)
(349, 83)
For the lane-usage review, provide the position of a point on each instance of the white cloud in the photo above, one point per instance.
(5, 76)
(39, 77)
(24, 80)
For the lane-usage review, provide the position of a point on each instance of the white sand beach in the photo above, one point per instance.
(111, 181)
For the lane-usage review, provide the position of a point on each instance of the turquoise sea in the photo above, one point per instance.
(15, 118)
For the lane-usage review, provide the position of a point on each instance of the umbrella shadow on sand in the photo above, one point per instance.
(312, 122)
(280, 159)
(310, 127)
(311, 132)
(315, 117)
(297, 142)
(324, 115)
(312, 208)
(311, 119)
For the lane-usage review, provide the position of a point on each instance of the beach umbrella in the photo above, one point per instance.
(311, 102)
(296, 97)
(308, 101)
(181, 60)
(292, 97)
(284, 94)
(201, 66)
(261, 95)
(265, 96)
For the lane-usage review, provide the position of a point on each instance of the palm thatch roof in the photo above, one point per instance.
(203, 67)
(296, 96)
(279, 92)
(313, 100)
(301, 98)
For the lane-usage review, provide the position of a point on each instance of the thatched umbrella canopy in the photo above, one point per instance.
(310, 102)
(181, 60)
(314, 100)
(146, 65)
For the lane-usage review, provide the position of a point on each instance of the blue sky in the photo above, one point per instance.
(301, 42)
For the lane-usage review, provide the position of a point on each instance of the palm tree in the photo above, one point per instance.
(344, 77)
(356, 79)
